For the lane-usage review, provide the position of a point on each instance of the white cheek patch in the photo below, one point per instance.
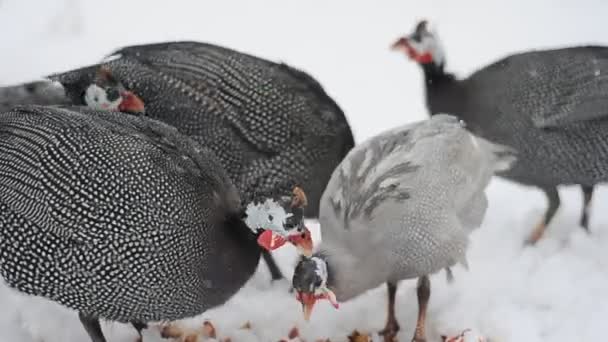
(96, 98)
(321, 271)
(323, 292)
(429, 43)
(259, 217)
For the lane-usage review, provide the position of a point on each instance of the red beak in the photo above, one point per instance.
(270, 240)
(399, 45)
(131, 103)
(308, 301)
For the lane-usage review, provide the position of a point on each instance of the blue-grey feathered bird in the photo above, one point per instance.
(401, 205)
(549, 105)
(123, 218)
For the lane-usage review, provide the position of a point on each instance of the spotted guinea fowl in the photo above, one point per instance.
(123, 218)
(549, 105)
(401, 205)
(271, 125)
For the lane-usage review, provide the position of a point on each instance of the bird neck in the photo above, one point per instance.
(350, 275)
(240, 236)
(443, 91)
(435, 74)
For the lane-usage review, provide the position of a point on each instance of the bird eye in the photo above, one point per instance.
(289, 223)
(270, 217)
(112, 94)
(318, 283)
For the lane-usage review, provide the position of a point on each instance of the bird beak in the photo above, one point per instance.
(131, 103)
(308, 301)
(270, 240)
(399, 45)
(303, 242)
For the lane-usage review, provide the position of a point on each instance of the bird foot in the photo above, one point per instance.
(537, 233)
(585, 224)
(392, 337)
(457, 338)
(390, 331)
(418, 339)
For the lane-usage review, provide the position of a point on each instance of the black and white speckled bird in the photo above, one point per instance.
(123, 218)
(549, 105)
(271, 126)
(400, 206)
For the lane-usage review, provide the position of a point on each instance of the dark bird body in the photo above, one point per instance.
(270, 125)
(551, 106)
(117, 217)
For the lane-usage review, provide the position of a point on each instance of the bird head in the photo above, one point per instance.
(422, 45)
(107, 93)
(310, 284)
(280, 219)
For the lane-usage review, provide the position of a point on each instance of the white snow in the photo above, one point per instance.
(556, 291)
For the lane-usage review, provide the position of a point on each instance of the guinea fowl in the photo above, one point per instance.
(401, 205)
(271, 126)
(123, 218)
(549, 105)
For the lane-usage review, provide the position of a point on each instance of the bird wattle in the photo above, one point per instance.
(270, 240)
(131, 103)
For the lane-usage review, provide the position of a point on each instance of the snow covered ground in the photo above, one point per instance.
(555, 291)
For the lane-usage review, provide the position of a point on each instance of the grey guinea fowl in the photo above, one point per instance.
(549, 105)
(121, 217)
(401, 205)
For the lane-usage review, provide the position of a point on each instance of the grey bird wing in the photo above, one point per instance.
(408, 183)
(564, 86)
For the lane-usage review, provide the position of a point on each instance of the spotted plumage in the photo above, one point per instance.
(271, 125)
(117, 217)
(549, 105)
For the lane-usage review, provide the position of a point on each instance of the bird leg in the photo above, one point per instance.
(587, 195)
(392, 327)
(91, 325)
(139, 327)
(424, 293)
(539, 230)
(275, 272)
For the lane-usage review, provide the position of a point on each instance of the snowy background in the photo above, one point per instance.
(556, 291)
